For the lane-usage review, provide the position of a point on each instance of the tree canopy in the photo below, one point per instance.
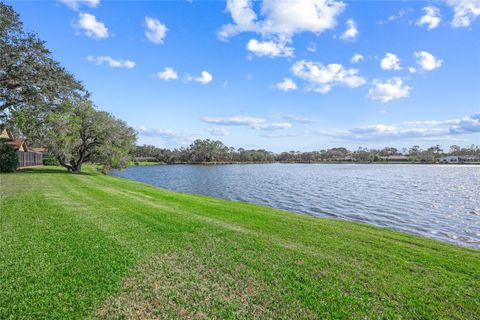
(31, 82)
(76, 133)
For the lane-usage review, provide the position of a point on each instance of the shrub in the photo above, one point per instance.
(50, 162)
(8, 158)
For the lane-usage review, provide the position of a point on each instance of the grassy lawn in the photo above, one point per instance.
(94, 246)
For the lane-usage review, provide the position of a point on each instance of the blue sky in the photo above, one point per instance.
(279, 75)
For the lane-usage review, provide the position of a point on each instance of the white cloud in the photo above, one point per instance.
(321, 77)
(352, 32)
(286, 85)
(412, 70)
(391, 89)
(409, 130)
(91, 26)
(156, 31)
(465, 12)
(431, 18)
(75, 4)
(243, 16)
(114, 63)
(170, 137)
(289, 17)
(356, 58)
(167, 74)
(281, 19)
(312, 47)
(390, 62)
(163, 133)
(399, 15)
(252, 122)
(218, 131)
(380, 132)
(269, 48)
(203, 78)
(427, 61)
(293, 118)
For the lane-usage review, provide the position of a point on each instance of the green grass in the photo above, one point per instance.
(94, 246)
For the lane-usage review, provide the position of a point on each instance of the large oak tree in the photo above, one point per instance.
(32, 83)
(76, 133)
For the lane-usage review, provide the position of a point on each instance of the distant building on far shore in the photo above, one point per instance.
(453, 159)
(459, 159)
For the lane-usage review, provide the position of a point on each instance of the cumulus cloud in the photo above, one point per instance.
(170, 137)
(218, 131)
(156, 31)
(269, 48)
(409, 130)
(465, 12)
(356, 58)
(167, 74)
(352, 32)
(114, 63)
(203, 78)
(427, 61)
(390, 62)
(243, 16)
(321, 78)
(92, 28)
(389, 90)
(280, 19)
(431, 18)
(252, 122)
(155, 132)
(286, 85)
(75, 4)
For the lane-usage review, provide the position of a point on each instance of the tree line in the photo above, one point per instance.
(44, 104)
(214, 151)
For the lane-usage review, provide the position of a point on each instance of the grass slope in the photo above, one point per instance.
(93, 246)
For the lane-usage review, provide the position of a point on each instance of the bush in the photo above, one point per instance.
(50, 162)
(8, 158)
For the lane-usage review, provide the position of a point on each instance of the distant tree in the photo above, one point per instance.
(77, 133)
(388, 151)
(363, 154)
(455, 150)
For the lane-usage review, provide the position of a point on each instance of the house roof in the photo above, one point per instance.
(41, 150)
(16, 143)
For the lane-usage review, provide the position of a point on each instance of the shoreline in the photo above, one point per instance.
(147, 163)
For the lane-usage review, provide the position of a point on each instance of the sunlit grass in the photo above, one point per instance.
(88, 245)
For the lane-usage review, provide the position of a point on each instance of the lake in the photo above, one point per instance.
(436, 201)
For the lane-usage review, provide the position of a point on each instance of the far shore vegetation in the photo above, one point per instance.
(215, 152)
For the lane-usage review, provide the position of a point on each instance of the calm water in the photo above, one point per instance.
(441, 202)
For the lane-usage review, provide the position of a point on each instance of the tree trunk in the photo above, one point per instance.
(77, 168)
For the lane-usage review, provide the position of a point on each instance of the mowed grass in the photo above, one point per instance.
(94, 246)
